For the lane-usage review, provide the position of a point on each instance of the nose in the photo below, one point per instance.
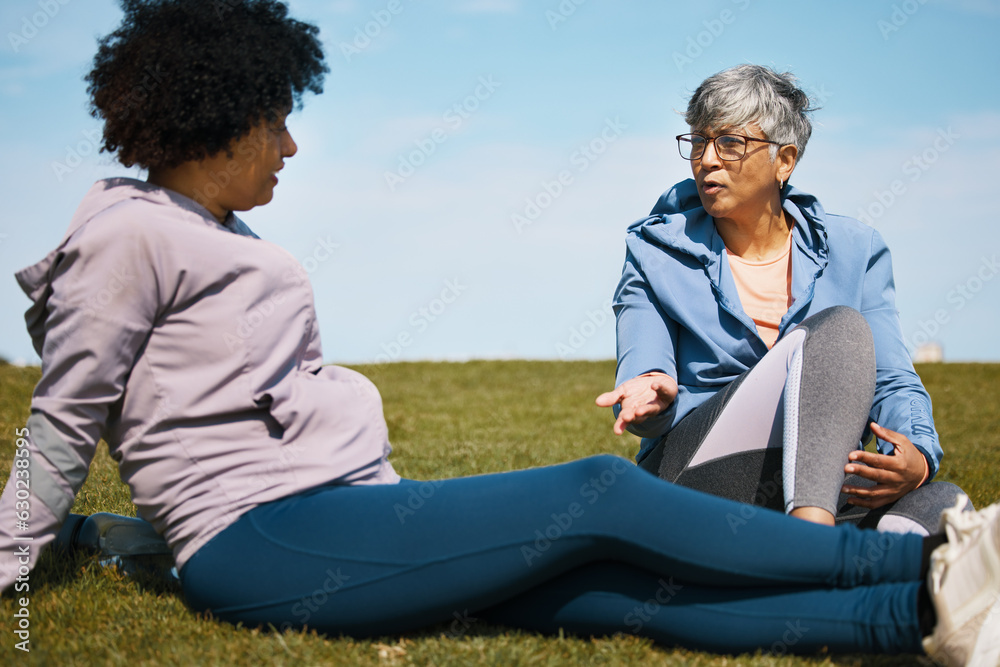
(288, 145)
(710, 158)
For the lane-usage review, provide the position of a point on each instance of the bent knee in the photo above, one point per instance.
(841, 333)
(942, 495)
(925, 505)
(841, 319)
(606, 468)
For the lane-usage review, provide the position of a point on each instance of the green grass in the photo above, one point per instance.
(444, 420)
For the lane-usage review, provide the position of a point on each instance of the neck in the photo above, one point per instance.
(191, 181)
(756, 238)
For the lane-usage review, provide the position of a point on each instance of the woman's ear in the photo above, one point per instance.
(788, 155)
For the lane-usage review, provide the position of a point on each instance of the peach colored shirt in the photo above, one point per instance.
(765, 289)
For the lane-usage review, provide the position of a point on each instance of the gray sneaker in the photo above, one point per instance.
(132, 545)
(964, 583)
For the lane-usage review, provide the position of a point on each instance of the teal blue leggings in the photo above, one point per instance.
(594, 547)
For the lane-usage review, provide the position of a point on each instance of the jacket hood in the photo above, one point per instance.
(36, 279)
(679, 221)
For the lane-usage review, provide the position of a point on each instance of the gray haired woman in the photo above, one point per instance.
(758, 341)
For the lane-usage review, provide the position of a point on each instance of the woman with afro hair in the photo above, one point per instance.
(267, 473)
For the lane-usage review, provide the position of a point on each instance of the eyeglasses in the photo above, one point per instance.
(727, 146)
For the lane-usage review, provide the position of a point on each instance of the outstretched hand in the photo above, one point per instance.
(640, 398)
(894, 475)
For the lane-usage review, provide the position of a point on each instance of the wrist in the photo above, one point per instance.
(927, 471)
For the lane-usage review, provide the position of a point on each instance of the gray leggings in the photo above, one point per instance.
(778, 436)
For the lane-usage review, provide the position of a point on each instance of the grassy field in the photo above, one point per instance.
(444, 420)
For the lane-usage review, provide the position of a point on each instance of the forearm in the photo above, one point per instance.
(901, 404)
(27, 525)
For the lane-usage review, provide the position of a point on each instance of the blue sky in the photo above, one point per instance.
(463, 186)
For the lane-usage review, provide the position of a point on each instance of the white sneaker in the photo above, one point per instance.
(964, 583)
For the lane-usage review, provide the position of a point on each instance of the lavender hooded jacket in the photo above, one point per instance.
(191, 347)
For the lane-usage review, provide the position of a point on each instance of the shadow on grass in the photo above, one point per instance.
(59, 568)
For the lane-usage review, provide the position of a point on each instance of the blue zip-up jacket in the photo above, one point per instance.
(678, 310)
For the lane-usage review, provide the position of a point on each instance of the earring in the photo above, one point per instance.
(781, 185)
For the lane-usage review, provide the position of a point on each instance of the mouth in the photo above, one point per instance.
(711, 188)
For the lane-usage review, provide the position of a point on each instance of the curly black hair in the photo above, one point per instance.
(179, 80)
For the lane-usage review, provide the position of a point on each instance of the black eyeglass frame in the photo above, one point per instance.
(716, 139)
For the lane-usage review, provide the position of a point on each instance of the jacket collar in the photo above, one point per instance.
(678, 221)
